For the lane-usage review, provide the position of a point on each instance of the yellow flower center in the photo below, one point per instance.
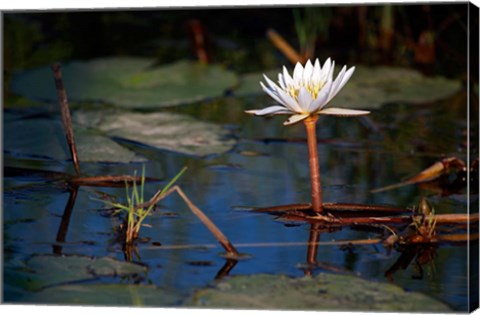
(312, 87)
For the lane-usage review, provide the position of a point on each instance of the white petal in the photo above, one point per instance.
(343, 81)
(325, 70)
(272, 94)
(346, 77)
(272, 84)
(316, 65)
(289, 101)
(316, 71)
(274, 110)
(304, 99)
(330, 73)
(336, 111)
(281, 81)
(297, 73)
(322, 97)
(307, 72)
(288, 79)
(295, 118)
(337, 82)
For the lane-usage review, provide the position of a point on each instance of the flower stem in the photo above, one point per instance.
(310, 125)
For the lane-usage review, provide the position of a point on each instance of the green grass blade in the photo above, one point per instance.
(142, 186)
(170, 184)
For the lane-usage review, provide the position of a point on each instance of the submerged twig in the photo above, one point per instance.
(371, 241)
(108, 180)
(221, 238)
(313, 239)
(66, 118)
(225, 270)
(67, 213)
(440, 219)
(333, 206)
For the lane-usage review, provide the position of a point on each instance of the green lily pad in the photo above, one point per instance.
(324, 292)
(170, 131)
(371, 87)
(48, 270)
(45, 138)
(249, 83)
(128, 82)
(105, 294)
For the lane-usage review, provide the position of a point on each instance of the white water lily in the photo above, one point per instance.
(307, 93)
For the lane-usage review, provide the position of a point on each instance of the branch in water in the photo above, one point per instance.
(221, 238)
(66, 118)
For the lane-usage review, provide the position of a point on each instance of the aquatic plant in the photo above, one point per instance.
(305, 96)
(424, 223)
(136, 209)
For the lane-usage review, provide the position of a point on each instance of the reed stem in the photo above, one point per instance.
(66, 117)
(310, 125)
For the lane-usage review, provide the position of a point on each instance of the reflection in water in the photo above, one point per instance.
(277, 176)
(312, 251)
(65, 222)
(423, 254)
(129, 251)
(226, 268)
(313, 239)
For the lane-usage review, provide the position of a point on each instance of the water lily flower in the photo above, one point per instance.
(305, 96)
(307, 92)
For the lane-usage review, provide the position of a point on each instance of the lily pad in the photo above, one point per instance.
(324, 292)
(128, 82)
(106, 294)
(170, 131)
(371, 87)
(47, 270)
(249, 83)
(45, 138)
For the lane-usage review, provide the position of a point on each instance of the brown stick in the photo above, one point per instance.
(313, 239)
(440, 218)
(310, 125)
(199, 40)
(286, 208)
(108, 180)
(284, 46)
(67, 213)
(221, 238)
(362, 207)
(458, 237)
(334, 206)
(66, 118)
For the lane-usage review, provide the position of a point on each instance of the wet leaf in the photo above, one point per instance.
(324, 292)
(371, 87)
(45, 138)
(106, 294)
(249, 83)
(48, 270)
(128, 82)
(170, 131)
(430, 173)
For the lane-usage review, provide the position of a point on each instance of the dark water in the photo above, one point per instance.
(356, 155)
